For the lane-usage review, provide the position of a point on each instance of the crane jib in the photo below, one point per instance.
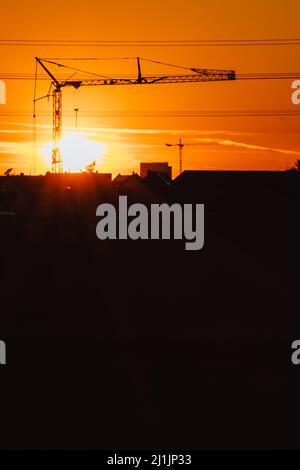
(192, 78)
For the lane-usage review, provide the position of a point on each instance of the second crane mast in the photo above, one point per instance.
(198, 75)
(180, 145)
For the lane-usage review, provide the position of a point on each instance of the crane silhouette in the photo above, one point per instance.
(180, 145)
(197, 75)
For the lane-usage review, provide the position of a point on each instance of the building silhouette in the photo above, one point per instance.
(158, 167)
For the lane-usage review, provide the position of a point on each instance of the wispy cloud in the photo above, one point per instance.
(241, 145)
(23, 149)
(15, 131)
(134, 131)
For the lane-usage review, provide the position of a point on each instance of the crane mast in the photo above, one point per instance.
(180, 145)
(57, 166)
(198, 75)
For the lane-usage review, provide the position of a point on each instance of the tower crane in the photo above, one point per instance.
(197, 75)
(180, 145)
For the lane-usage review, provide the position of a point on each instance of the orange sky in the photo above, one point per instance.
(212, 143)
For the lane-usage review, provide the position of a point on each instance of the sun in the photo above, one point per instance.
(77, 152)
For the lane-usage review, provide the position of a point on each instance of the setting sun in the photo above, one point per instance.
(77, 152)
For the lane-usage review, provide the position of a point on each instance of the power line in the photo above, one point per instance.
(28, 76)
(243, 76)
(196, 71)
(152, 43)
(162, 114)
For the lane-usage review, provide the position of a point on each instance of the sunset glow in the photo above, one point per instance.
(77, 152)
(132, 124)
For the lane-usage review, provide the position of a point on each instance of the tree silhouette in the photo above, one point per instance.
(91, 168)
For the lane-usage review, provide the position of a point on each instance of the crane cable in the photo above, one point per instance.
(77, 70)
(34, 123)
(76, 106)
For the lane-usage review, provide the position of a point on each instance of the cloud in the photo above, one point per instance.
(15, 131)
(241, 145)
(133, 131)
(24, 149)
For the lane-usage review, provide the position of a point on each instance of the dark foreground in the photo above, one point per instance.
(122, 344)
